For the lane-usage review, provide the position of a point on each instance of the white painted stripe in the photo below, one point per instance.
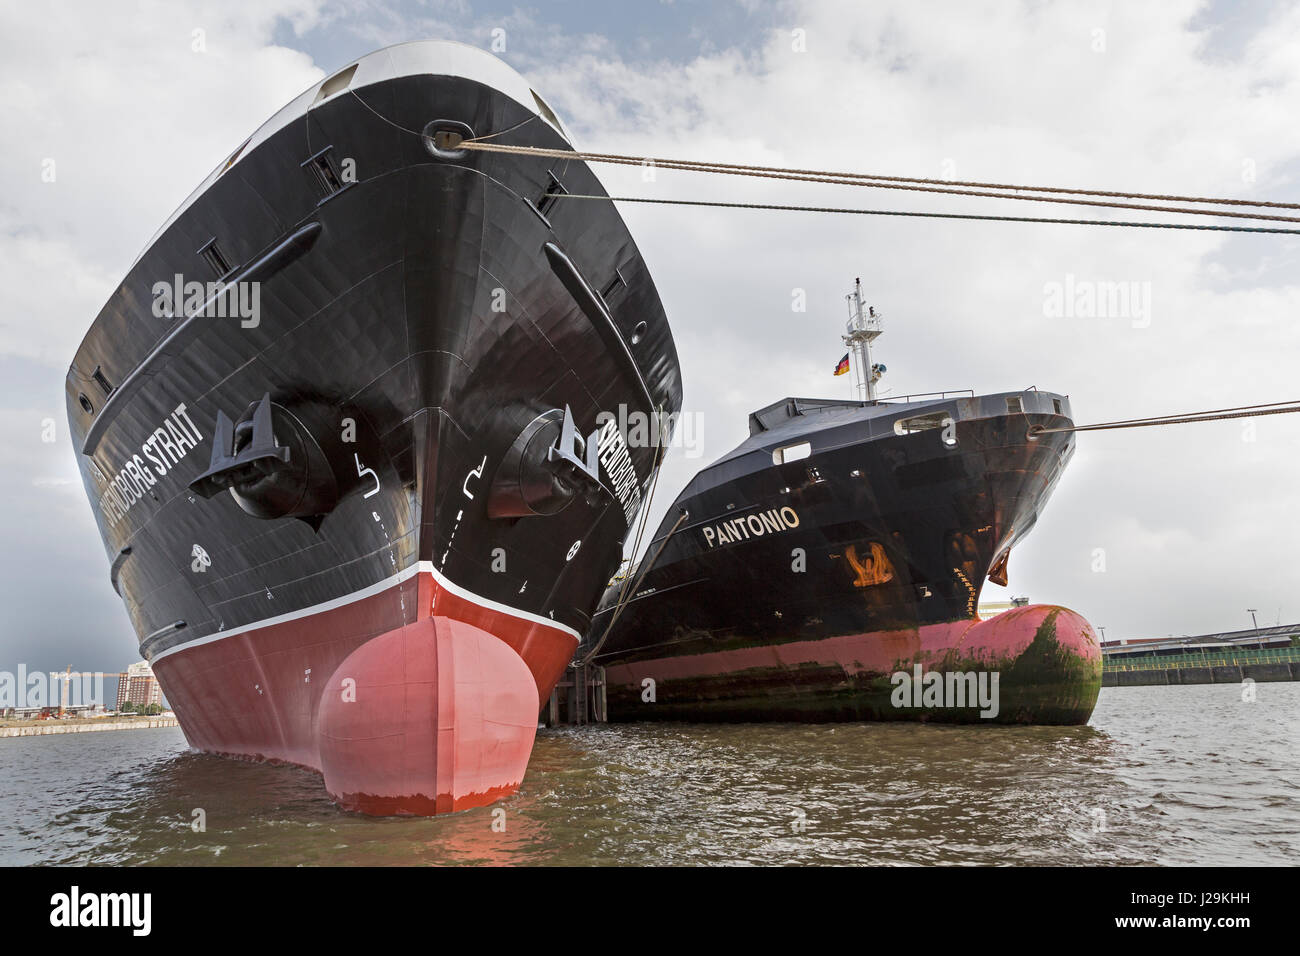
(422, 567)
(493, 605)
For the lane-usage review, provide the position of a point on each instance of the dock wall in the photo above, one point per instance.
(77, 727)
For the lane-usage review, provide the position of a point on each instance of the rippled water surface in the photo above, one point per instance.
(1173, 775)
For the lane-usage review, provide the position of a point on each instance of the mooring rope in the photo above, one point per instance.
(838, 176)
(936, 215)
(657, 468)
(1214, 415)
(644, 520)
(898, 182)
(643, 568)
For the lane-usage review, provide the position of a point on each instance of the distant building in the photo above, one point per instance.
(1262, 638)
(138, 686)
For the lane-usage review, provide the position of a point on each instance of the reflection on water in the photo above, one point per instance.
(1163, 775)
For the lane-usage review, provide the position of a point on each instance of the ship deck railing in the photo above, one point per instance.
(953, 393)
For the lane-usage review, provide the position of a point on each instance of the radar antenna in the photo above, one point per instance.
(863, 328)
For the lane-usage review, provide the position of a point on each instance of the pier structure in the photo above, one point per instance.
(1258, 653)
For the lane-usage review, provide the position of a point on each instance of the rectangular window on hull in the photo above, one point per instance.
(791, 453)
(545, 110)
(554, 188)
(613, 285)
(922, 423)
(99, 376)
(322, 168)
(335, 84)
(214, 257)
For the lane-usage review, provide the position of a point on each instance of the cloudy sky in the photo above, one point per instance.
(1194, 523)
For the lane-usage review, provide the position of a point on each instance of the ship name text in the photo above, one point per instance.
(617, 462)
(170, 442)
(756, 525)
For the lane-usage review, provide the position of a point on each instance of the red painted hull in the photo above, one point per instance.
(414, 699)
(1048, 660)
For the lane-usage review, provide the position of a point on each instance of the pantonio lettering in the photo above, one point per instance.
(751, 526)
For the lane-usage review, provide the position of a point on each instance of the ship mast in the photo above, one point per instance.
(863, 328)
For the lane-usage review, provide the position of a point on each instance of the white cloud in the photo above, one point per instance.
(134, 110)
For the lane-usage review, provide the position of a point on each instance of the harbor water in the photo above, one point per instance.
(1169, 775)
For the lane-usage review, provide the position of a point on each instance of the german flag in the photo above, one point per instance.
(843, 366)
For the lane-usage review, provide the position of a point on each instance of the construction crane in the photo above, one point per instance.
(66, 681)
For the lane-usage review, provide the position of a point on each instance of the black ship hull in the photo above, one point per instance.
(843, 545)
(335, 523)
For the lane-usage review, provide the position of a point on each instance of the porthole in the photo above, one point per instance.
(442, 138)
(638, 333)
(86, 406)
